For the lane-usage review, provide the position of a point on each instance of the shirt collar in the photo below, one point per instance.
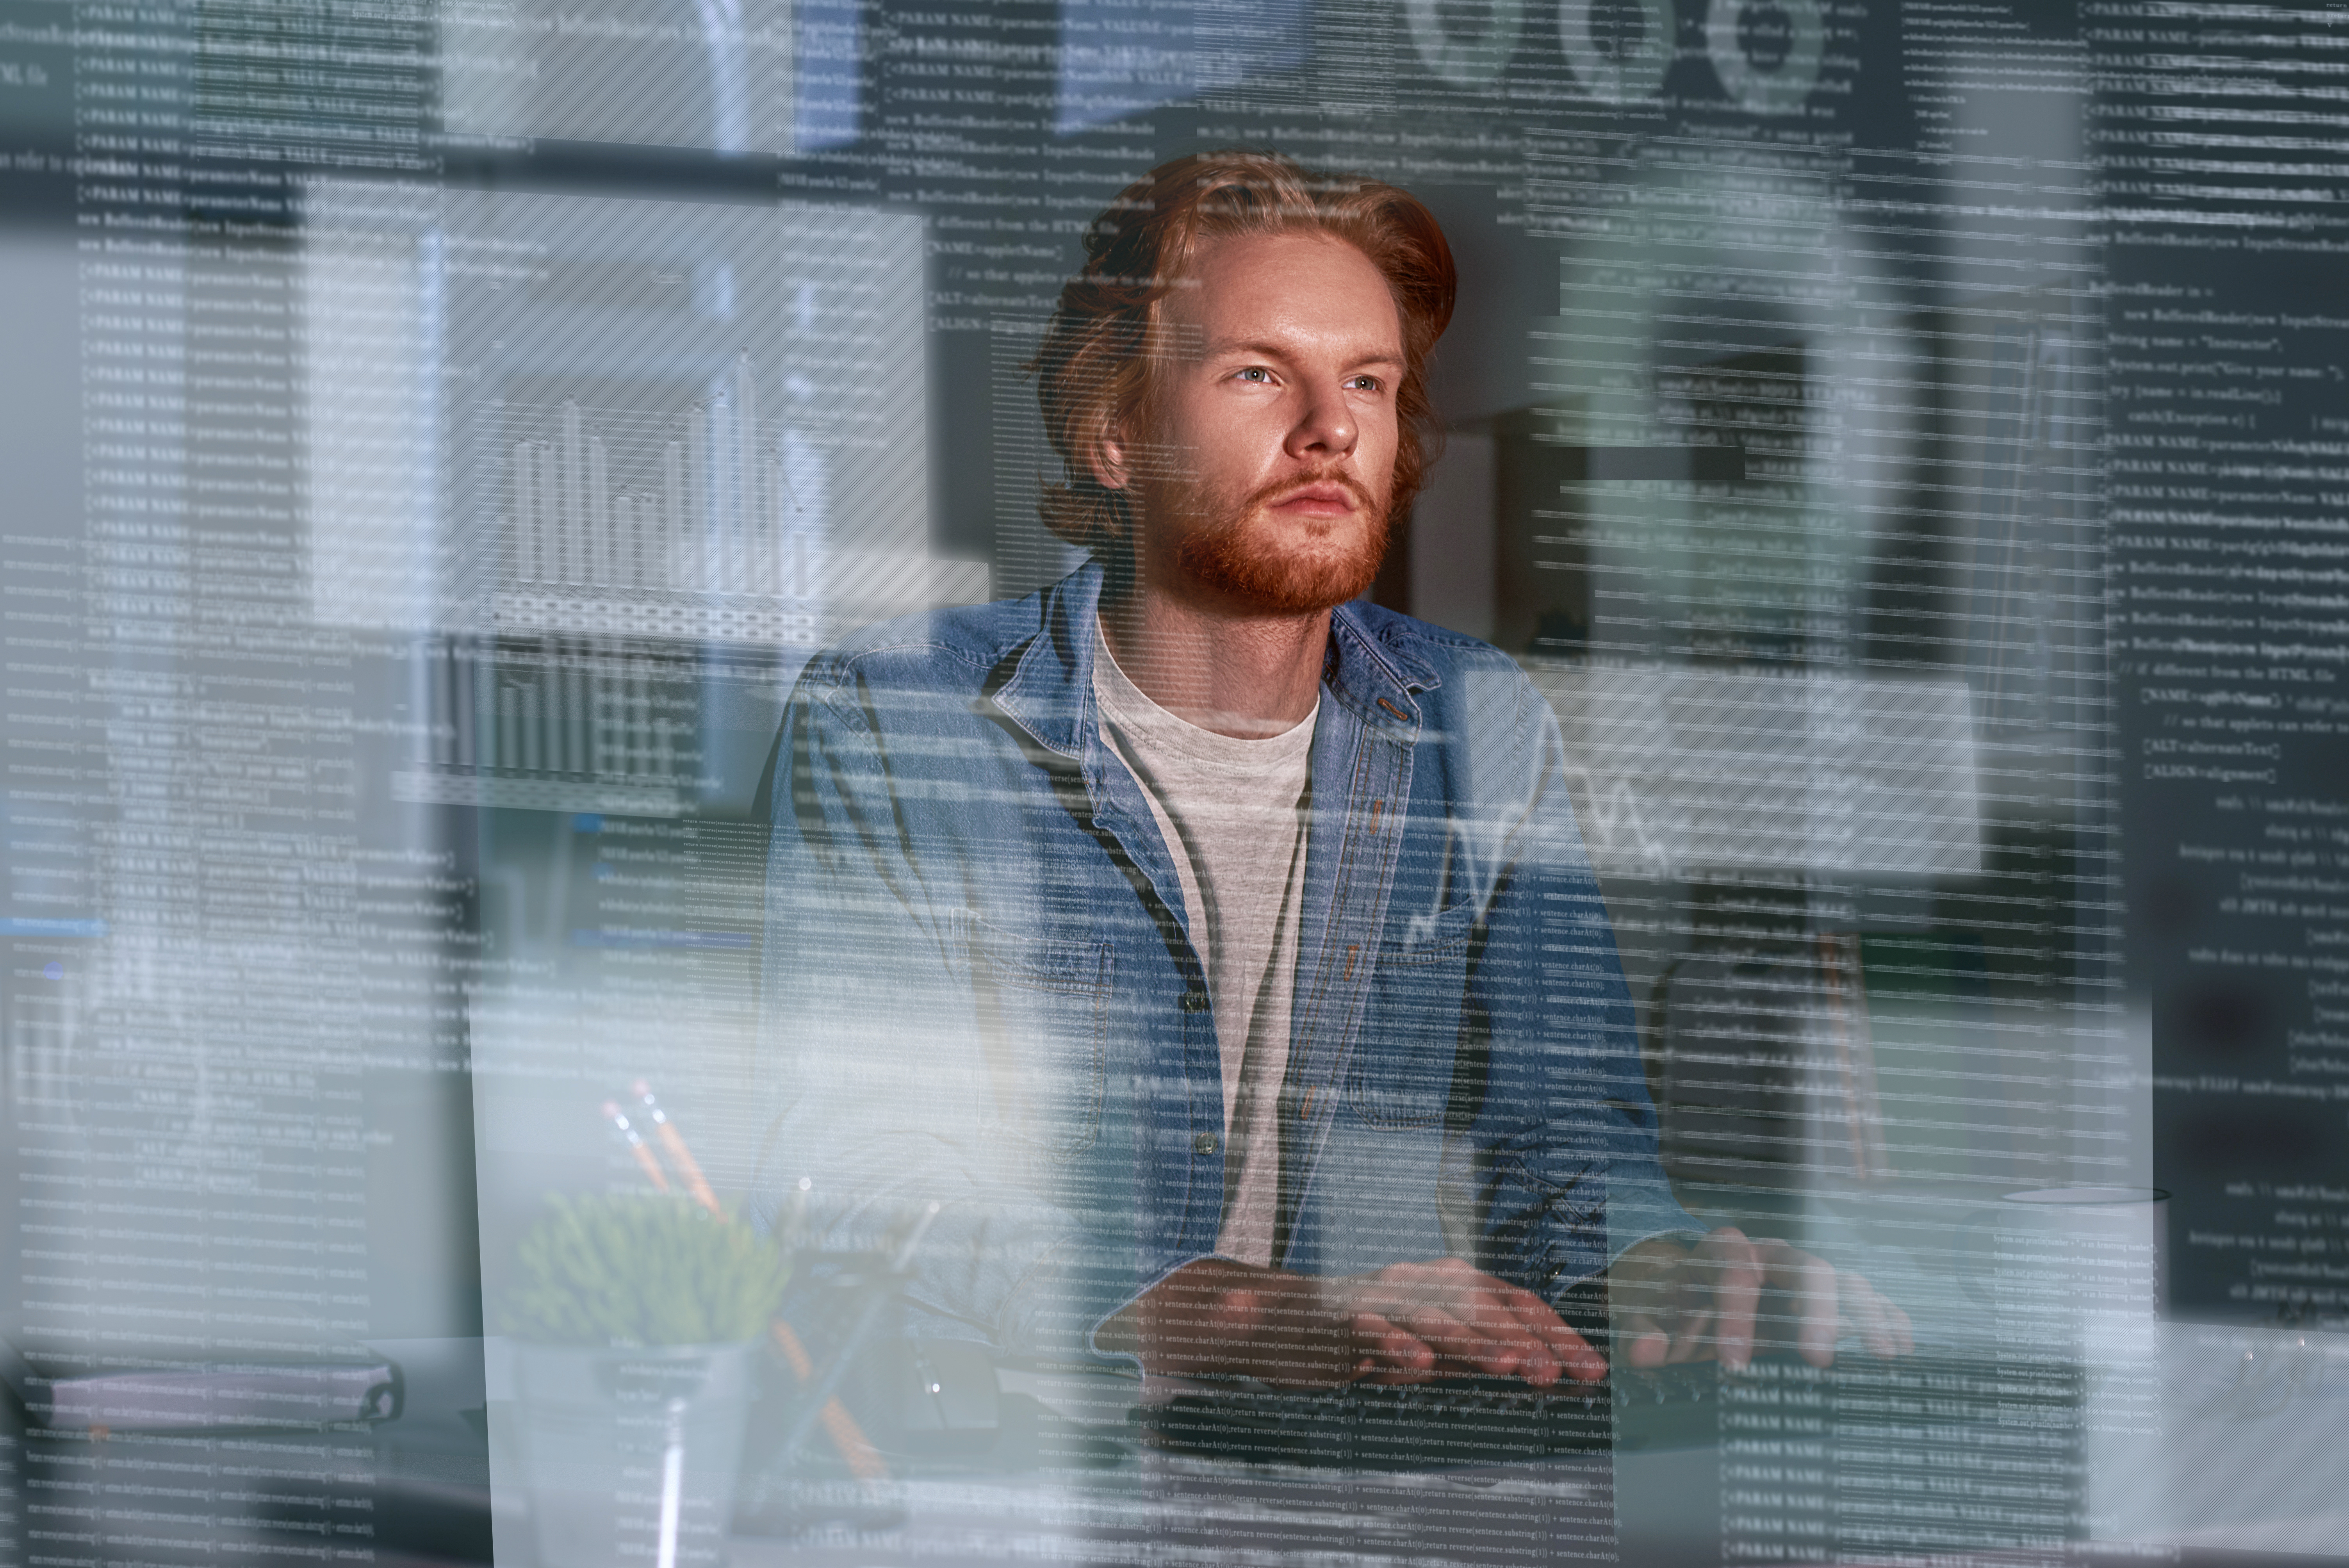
(1048, 691)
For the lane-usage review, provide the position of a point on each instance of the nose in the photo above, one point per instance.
(1326, 428)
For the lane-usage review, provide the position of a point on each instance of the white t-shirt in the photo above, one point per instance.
(1232, 812)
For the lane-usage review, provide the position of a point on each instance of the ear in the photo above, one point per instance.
(1107, 456)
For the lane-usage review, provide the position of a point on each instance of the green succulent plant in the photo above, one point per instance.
(642, 1271)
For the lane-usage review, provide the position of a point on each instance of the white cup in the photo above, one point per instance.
(2077, 1274)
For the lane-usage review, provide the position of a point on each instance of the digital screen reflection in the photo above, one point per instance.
(1355, 781)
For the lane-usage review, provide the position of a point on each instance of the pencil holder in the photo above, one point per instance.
(630, 1456)
(637, 1323)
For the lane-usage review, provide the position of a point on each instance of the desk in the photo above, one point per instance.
(1174, 1508)
(2206, 1482)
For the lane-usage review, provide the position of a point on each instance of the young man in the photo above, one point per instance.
(1216, 949)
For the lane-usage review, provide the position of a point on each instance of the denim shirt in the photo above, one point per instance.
(981, 992)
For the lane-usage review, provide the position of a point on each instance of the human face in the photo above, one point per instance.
(1268, 466)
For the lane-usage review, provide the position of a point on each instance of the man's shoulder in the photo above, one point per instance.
(1450, 657)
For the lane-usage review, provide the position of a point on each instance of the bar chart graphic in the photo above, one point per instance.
(709, 524)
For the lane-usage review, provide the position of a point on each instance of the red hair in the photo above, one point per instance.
(1093, 368)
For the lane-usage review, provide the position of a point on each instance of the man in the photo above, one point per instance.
(1216, 950)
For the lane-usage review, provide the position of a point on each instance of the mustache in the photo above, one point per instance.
(1278, 490)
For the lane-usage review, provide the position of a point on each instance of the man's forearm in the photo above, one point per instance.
(1215, 1315)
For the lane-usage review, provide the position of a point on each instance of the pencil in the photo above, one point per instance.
(673, 1145)
(637, 1145)
(864, 1462)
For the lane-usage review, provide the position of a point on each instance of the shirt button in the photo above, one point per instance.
(1195, 1001)
(1203, 1144)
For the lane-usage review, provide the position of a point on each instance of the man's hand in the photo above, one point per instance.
(1400, 1324)
(1673, 1302)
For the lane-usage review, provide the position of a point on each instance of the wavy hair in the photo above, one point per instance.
(1093, 367)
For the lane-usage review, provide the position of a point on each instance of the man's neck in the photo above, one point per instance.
(1244, 675)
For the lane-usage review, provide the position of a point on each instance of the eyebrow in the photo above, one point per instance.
(1277, 351)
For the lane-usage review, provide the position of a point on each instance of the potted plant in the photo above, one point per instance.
(636, 1322)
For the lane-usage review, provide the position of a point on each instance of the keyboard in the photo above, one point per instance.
(1417, 1426)
(1457, 1423)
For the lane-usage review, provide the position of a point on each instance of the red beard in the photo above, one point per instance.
(1245, 555)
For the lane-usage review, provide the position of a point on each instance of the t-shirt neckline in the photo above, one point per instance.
(1130, 708)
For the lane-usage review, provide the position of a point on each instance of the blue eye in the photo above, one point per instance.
(1256, 371)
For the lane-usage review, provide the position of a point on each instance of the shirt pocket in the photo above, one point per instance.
(1401, 1071)
(1043, 1015)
